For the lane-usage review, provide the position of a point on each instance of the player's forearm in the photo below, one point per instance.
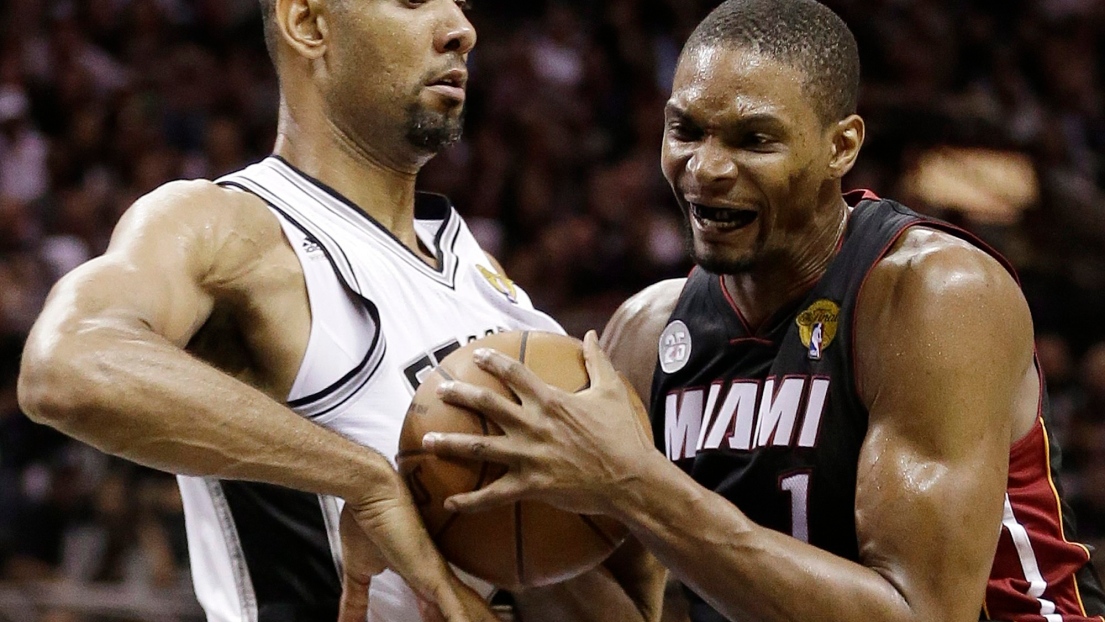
(589, 598)
(141, 398)
(745, 571)
(595, 596)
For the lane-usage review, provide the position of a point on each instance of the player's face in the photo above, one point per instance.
(747, 156)
(398, 70)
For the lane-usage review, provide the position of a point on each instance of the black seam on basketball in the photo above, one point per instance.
(406, 453)
(518, 554)
(483, 475)
(522, 347)
(586, 385)
(598, 530)
(441, 530)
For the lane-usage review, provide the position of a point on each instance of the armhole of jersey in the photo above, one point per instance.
(344, 345)
(856, 387)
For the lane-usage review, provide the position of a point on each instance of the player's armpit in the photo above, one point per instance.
(631, 336)
(944, 364)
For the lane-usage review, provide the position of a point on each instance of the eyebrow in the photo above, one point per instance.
(755, 118)
(672, 108)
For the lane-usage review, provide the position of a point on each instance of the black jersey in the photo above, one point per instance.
(772, 421)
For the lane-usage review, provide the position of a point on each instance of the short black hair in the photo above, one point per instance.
(268, 19)
(803, 34)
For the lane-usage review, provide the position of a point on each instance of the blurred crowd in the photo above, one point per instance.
(990, 114)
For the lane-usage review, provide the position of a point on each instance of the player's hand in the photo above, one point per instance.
(385, 531)
(570, 450)
(361, 561)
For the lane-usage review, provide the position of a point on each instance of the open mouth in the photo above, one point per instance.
(723, 218)
(451, 79)
(450, 84)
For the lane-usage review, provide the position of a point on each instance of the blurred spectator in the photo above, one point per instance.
(1086, 445)
(23, 150)
(103, 100)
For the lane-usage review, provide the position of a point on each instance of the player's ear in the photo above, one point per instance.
(847, 139)
(303, 26)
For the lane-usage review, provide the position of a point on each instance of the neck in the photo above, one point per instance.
(762, 291)
(371, 180)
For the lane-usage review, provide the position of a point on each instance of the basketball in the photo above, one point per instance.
(523, 544)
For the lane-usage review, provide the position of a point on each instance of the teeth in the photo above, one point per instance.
(723, 218)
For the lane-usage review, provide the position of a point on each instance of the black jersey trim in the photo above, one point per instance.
(346, 392)
(318, 404)
(315, 232)
(287, 551)
(428, 206)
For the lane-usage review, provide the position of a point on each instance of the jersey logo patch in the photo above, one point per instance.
(311, 246)
(817, 327)
(501, 284)
(675, 347)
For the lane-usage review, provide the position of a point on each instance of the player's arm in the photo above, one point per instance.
(944, 353)
(105, 363)
(944, 357)
(630, 584)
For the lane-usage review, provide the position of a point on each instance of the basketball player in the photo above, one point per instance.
(852, 422)
(265, 332)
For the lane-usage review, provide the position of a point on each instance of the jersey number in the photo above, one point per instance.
(798, 485)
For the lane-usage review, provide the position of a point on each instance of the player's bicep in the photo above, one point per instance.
(151, 276)
(946, 342)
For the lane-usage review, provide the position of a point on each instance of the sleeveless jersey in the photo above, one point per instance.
(381, 319)
(772, 421)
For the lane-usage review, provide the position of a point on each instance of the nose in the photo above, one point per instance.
(457, 34)
(711, 163)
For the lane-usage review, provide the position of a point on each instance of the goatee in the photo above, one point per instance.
(432, 131)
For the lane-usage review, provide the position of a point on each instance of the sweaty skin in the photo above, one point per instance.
(930, 480)
(943, 314)
(177, 348)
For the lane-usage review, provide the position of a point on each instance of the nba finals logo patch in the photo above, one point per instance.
(675, 347)
(817, 327)
(501, 284)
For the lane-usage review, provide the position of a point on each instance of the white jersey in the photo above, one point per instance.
(381, 318)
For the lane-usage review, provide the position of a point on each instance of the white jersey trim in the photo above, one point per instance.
(331, 516)
(1031, 567)
(243, 584)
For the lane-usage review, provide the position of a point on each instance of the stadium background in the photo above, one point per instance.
(988, 113)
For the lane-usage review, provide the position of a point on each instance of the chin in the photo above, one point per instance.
(433, 131)
(725, 263)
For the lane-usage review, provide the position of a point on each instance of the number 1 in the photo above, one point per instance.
(798, 485)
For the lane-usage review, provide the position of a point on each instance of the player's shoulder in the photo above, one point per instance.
(647, 311)
(934, 263)
(215, 231)
(199, 200)
(198, 210)
(933, 281)
(632, 335)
